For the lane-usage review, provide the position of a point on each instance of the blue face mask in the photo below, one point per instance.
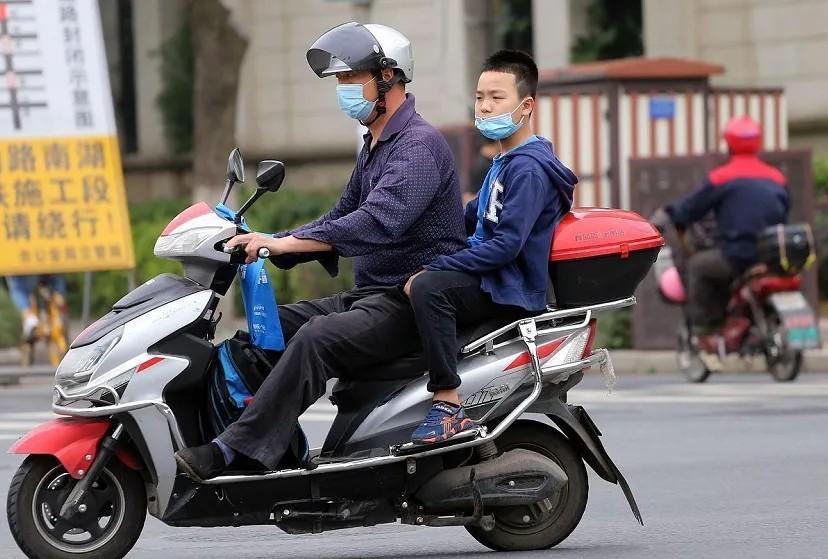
(500, 126)
(351, 101)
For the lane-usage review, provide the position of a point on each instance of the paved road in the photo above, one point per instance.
(737, 467)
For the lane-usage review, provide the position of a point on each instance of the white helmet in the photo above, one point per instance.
(395, 45)
(353, 47)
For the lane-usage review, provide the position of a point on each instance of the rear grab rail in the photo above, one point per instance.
(487, 341)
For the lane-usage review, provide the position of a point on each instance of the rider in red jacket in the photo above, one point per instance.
(746, 195)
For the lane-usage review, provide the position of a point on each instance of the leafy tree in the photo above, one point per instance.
(175, 101)
(613, 31)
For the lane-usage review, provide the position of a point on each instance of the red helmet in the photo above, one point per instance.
(743, 135)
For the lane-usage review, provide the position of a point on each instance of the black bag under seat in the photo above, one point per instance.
(238, 371)
(787, 250)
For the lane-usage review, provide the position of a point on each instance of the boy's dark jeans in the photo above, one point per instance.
(442, 301)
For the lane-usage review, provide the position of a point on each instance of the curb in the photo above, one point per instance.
(628, 361)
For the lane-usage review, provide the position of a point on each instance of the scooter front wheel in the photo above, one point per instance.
(549, 522)
(109, 524)
(687, 354)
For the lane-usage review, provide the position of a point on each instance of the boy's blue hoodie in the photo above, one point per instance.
(524, 195)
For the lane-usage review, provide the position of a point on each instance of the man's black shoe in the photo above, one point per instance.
(201, 462)
(246, 465)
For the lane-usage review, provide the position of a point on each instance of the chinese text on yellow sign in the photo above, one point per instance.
(62, 206)
(62, 200)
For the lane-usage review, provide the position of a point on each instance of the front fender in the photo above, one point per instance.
(74, 442)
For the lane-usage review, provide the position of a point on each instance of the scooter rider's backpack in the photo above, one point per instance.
(239, 369)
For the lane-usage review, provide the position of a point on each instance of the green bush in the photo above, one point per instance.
(821, 176)
(821, 237)
(175, 101)
(9, 320)
(615, 329)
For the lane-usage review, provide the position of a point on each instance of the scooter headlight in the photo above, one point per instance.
(183, 243)
(79, 363)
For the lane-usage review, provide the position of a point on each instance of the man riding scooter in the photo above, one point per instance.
(400, 210)
(746, 196)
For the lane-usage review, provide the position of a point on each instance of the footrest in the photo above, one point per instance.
(412, 448)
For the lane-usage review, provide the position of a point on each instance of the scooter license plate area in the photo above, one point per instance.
(798, 320)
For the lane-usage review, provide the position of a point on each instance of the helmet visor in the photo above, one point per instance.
(347, 47)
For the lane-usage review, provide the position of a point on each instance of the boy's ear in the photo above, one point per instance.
(529, 103)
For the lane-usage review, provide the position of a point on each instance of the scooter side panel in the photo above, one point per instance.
(485, 380)
(152, 294)
(153, 427)
(146, 330)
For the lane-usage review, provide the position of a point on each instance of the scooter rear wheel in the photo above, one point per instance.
(548, 523)
(783, 363)
(109, 526)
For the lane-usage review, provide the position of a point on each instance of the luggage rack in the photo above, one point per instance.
(552, 319)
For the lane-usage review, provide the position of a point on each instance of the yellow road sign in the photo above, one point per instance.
(62, 206)
(62, 200)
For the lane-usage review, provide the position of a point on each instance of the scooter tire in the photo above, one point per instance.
(556, 524)
(785, 367)
(788, 369)
(32, 534)
(687, 357)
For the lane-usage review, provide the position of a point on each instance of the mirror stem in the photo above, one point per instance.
(246, 206)
(226, 194)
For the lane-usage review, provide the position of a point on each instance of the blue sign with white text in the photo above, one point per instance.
(662, 107)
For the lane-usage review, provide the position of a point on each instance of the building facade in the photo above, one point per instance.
(284, 110)
(760, 43)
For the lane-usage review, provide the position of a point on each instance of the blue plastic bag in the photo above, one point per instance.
(259, 300)
(260, 306)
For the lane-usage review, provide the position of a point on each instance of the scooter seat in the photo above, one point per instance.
(413, 365)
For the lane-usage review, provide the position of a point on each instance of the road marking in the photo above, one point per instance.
(18, 425)
(33, 415)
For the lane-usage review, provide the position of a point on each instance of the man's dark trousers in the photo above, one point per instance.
(709, 276)
(357, 328)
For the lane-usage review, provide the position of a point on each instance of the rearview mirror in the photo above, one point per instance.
(235, 166)
(270, 175)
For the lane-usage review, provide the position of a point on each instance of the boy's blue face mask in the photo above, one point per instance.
(500, 126)
(351, 101)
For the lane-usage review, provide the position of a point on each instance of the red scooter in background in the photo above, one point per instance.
(767, 315)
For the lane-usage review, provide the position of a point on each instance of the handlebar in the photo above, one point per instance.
(264, 252)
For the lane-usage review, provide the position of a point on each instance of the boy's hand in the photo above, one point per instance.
(407, 288)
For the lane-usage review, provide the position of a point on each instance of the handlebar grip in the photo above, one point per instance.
(264, 252)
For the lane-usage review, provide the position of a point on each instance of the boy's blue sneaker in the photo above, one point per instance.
(444, 420)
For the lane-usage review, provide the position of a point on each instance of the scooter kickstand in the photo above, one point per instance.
(486, 522)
